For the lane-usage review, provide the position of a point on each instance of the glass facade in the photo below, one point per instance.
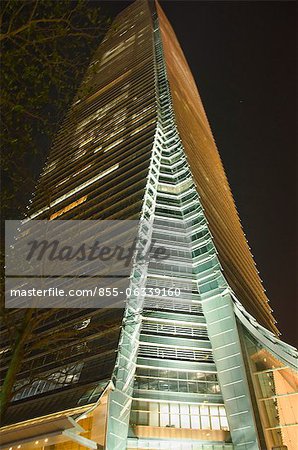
(195, 363)
(179, 415)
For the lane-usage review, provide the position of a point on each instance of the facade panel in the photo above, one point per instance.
(194, 363)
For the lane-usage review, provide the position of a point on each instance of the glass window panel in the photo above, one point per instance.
(164, 408)
(173, 386)
(164, 419)
(153, 384)
(164, 415)
(143, 418)
(205, 422)
(204, 410)
(224, 422)
(215, 425)
(193, 387)
(203, 388)
(195, 422)
(175, 420)
(185, 421)
(215, 389)
(174, 408)
(211, 377)
(213, 410)
(183, 386)
(174, 415)
(143, 384)
(184, 409)
(142, 405)
(194, 410)
(163, 373)
(153, 419)
(182, 375)
(133, 417)
(222, 411)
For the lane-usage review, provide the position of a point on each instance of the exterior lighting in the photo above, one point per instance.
(131, 149)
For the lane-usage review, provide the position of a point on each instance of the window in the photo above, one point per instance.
(74, 191)
(114, 144)
(142, 127)
(179, 415)
(68, 207)
(64, 377)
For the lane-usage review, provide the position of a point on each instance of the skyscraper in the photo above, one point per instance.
(204, 369)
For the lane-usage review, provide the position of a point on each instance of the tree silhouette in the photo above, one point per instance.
(45, 46)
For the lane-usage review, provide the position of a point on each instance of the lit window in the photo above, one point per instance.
(215, 424)
(49, 168)
(73, 191)
(86, 142)
(153, 417)
(68, 207)
(114, 144)
(79, 154)
(83, 324)
(164, 415)
(185, 418)
(141, 114)
(100, 113)
(62, 182)
(119, 130)
(215, 388)
(174, 415)
(205, 422)
(84, 185)
(142, 127)
(194, 417)
(82, 170)
(224, 423)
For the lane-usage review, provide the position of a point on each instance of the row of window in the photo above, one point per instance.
(165, 328)
(150, 351)
(64, 377)
(173, 305)
(169, 385)
(207, 377)
(178, 415)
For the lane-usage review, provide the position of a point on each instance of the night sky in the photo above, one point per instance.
(242, 56)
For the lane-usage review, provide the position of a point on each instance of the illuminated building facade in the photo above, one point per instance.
(204, 370)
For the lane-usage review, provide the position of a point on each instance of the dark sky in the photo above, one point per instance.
(242, 55)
